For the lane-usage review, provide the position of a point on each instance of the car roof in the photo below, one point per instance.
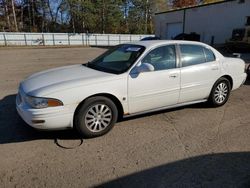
(152, 43)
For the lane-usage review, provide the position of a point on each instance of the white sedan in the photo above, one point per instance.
(129, 79)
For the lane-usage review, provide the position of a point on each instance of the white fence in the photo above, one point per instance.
(62, 39)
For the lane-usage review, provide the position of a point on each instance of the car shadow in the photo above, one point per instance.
(247, 81)
(198, 106)
(14, 129)
(212, 170)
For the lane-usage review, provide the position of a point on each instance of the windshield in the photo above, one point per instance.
(117, 60)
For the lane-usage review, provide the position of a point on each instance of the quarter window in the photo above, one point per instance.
(192, 55)
(161, 58)
(209, 55)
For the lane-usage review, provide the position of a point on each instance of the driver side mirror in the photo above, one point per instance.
(143, 67)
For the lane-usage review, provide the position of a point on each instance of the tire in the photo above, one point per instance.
(96, 117)
(220, 92)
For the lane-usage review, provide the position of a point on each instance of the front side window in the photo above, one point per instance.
(161, 58)
(117, 60)
(192, 55)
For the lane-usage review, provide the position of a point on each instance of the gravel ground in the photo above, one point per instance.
(193, 146)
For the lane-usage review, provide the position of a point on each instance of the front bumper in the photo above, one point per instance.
(54, 118)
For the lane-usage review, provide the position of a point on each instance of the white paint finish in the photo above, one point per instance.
(61, 82)
(216, 20)
(67, 75)
(148, 91)
(151, 90)
(233, 67)
(56, 119)
(116, 86)
(198, 80)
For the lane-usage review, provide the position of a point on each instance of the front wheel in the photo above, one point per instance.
(220, 92)
(96, 117)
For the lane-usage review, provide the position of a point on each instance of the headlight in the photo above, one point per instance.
(37, 102)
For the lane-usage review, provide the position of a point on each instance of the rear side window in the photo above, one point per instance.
(192, 55)
(209, 55)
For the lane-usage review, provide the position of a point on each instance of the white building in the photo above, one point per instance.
(211, 21)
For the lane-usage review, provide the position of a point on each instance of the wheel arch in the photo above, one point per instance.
(230, 79)
(113, 98)
(211, 99)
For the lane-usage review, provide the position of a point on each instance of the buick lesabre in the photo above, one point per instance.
(126, 80)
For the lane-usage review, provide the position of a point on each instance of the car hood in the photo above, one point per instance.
(55, 79)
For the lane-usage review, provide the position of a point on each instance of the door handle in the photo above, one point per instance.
(173, 76)
(215, 68)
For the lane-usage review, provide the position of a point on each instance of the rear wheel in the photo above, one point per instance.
(96, 117)
(220, 92)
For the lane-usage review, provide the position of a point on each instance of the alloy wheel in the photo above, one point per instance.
(221, 93)
(98, 117)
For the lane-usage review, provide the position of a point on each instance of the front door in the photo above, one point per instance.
(157, 88)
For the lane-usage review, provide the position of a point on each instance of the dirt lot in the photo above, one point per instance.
(194, 146)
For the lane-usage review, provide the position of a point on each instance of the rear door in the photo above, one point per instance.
(199, 71)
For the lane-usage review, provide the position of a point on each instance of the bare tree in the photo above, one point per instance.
(14, 15)
(29, 13)
(6, 12)
(43, 5)
(22, 9)
(33, 13)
